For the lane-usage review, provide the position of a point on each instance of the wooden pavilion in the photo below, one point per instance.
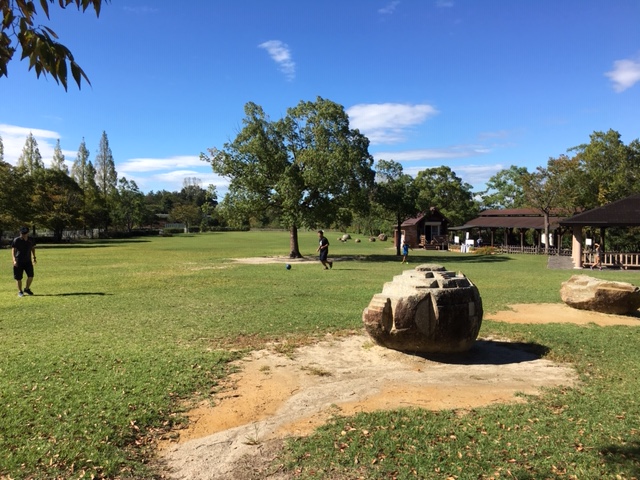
(509, 220)
(622, 213)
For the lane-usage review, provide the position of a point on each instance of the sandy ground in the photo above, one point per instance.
(276, 396)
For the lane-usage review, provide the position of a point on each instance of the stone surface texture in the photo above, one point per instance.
(425, 310)
(604, 296)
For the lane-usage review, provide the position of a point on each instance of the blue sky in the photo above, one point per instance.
(474, 85)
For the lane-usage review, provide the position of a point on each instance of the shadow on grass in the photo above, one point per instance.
(90, 243)
(71, 294)
(626, 456)
(414, 261)
(492, 352)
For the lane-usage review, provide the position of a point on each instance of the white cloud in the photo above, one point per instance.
(461, 151)
(169, 173)
(478, 175)
(177, 177)
(14, 137)
(155, 164)
(625, 74)
(280, 53)
(390, 8)
(386, 123)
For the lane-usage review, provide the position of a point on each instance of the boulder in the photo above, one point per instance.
(382, 237)
(587, 293)
(425, 310)
(372, 239)
(346, 237)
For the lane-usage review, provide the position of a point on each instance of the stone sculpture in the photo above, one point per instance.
(588, 293)
(425, 310)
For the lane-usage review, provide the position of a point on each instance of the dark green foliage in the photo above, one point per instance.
(20, 30)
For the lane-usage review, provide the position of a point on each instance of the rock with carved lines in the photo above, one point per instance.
(425, 310)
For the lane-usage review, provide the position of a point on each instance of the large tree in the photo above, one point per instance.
(15, 207)
(79, 168)
(611, 169)
(106, 179)
(552, 189)
(30, 160)
(301, 169)
(504, 189)
(106, 175)
(440, 187)
(83, 172)
(189, 214)
(57, 162)
(39, 43)
(192, 191)
(57, 201)
(396, 192)
(128, 209)
(208, 207)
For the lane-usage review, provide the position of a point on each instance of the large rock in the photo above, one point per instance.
(588, 293)
(425, 310)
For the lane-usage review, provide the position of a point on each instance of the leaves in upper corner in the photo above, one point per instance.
(39, 44)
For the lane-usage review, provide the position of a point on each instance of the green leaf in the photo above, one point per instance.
(61, 68)
(49, 31)
(45, 7)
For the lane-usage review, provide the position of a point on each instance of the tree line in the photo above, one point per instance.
(90, 196)
(309, 169)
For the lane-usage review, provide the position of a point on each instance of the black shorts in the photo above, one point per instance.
(324, 253)
(21, 268)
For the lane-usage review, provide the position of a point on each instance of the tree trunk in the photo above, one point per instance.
(293, 243)
(546, 233)
(399, 235)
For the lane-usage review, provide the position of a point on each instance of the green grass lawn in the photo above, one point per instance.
(119, 333)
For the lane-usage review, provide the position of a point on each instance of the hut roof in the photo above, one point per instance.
(433, 215)
(622, 213)
(511, 218)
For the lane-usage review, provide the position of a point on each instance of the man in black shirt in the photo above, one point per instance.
(323, 249)
(22, 248)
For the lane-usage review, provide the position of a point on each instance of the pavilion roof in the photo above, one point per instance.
(622, 213)
(511, 218)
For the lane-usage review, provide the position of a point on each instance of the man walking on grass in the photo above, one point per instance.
(22, 248)
(323, 248)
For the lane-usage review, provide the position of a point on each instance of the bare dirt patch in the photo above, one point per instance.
(560, 313)
(275, 396)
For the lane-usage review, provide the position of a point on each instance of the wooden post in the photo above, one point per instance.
(576, 246)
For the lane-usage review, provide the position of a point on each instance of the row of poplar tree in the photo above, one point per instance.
(89, 197)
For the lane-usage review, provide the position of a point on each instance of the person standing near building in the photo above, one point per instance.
(598, 257)
(405, 251)
(22, 249)
(323, 248)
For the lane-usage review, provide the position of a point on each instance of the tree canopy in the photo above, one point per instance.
(504, 189)
(440, 187)
(610, 169)
(39, 43)
(396, 192)
(302, 168)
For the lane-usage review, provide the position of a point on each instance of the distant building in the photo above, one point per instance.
(426, 230)
(507, 221)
